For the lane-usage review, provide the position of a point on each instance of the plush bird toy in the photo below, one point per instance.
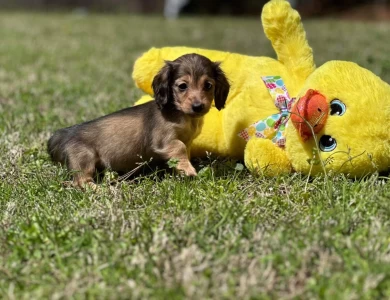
(287, 115)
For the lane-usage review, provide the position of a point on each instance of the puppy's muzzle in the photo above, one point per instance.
(197, 107)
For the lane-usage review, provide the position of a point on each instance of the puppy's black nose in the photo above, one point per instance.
(197, 107)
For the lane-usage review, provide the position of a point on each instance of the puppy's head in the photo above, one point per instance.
(189, 84)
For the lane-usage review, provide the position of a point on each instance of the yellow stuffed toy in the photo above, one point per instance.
(285, 115)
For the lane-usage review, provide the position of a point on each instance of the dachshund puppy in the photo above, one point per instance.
(159, 130)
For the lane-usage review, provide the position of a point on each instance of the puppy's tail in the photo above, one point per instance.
(56, 145)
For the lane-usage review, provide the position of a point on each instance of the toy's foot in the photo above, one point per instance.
(264, 157)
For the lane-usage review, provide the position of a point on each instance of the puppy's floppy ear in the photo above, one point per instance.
(222, 86)
(161, 85)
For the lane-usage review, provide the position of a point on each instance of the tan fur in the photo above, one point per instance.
(158, 130)
(194, 92)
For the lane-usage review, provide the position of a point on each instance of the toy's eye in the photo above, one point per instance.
(337, 108)
(208, 85)
(327, 143)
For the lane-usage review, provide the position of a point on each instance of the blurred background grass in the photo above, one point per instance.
(84, 63)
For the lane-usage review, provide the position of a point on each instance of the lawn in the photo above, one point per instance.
(225, 234)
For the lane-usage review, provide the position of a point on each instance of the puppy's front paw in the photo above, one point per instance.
(190, 171)
(85, 185)
(187, 169)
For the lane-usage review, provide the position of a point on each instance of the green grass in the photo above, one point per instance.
(224, 234)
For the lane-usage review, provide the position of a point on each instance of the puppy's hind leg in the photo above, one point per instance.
(82, 162)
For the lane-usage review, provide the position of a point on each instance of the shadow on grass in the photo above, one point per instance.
(214, 167)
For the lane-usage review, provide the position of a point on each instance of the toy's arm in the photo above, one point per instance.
(283, 27)
(262, 156)
(148, 65)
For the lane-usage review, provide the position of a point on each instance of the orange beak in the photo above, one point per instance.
(309, 114)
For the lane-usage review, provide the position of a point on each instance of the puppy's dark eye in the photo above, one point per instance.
(208, 85)
(182, 87)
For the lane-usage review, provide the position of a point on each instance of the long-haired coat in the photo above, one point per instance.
(157, 130)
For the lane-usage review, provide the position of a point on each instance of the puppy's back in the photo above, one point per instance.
(112, 137)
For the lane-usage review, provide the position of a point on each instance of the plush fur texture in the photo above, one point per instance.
(361, 132)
